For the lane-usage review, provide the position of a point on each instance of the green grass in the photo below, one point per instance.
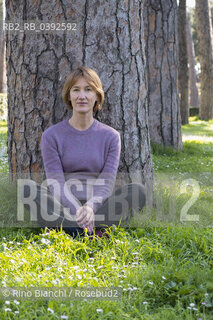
(162, 266)
(198, 127)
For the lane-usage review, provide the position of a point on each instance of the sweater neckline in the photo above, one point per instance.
(80, 132)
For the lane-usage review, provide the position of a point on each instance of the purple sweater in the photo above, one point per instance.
(86, 160)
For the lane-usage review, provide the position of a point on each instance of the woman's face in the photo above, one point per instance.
(82, 96)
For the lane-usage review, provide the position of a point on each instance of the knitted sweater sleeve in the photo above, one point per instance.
(55, 175)
(103, 186)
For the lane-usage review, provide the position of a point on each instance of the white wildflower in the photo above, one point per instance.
(45, 241)
(63, 316)
(7, 309)
(50, 310)
(7, 302)
(56, 281)
(75, 267)
(99, 310)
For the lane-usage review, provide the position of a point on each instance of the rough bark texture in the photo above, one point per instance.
(162, 60)
(109, 39)
(183, 63)
(2, 53)
(193, 95)
(211, 20)
(205, 58)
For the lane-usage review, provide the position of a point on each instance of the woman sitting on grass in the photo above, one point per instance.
(81, 157)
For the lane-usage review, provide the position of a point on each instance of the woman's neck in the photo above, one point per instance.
(81, 122)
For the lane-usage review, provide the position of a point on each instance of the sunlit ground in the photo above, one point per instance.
(198, 131)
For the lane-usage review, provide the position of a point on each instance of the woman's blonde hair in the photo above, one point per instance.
(93, 80)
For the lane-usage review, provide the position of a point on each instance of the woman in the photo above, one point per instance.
(81, 157)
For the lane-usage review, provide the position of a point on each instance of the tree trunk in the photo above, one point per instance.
(39, 64)
(183, 63)
(194, 99)
(205, 58)
(162, 63)
(2, 52)
(211, 20)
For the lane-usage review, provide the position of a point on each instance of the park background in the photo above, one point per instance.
(155, 62)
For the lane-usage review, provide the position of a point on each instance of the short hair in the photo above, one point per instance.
(93, 80)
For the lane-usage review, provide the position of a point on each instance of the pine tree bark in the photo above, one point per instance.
(2, 53)
(193, 95)
(38, 65)
(211, 20)
(205, 58)
(161, 38)
(183, 63)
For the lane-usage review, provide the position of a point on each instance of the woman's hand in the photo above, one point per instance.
(85, 218)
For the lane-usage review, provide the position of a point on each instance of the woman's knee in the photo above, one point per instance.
(30, 188)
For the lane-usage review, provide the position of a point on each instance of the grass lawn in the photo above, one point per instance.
(161, 265)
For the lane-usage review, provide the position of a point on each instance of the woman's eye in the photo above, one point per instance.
(88, 89)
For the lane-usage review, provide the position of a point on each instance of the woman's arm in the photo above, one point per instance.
(102, 191)
(54, 170)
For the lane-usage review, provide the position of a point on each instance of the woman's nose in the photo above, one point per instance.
(82, 94)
